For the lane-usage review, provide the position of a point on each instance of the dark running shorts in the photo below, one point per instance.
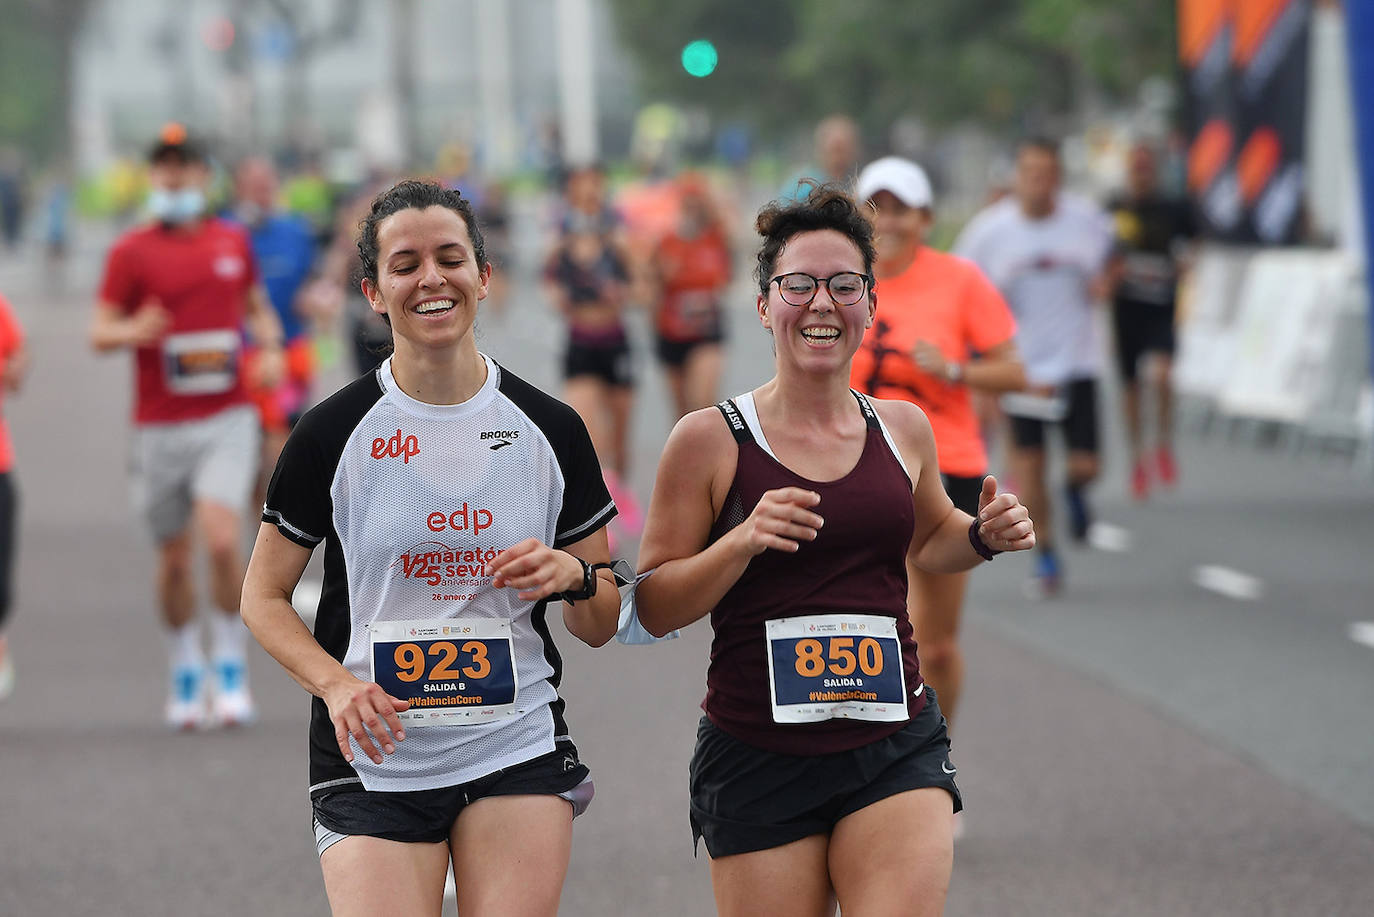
(427, 816)
(611, 363)
(675, 353)
(745, 799)
(964, 492)
(1141, 328)
(1079, 424)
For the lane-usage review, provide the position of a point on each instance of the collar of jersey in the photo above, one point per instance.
(440, 411)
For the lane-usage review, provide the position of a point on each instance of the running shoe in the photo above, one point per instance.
(1140, 480)
(1167, 467)
(1080, 518)
(6, 676)
(1047, 580)
(233, 705)
(186, 698)
(629, 513)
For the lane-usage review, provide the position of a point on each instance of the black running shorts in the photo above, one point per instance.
(745, 799)
(427, 816)
(1079, 423)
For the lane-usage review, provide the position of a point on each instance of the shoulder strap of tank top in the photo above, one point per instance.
(735, 420)
(865, 406)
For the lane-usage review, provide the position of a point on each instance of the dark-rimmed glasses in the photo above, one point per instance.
(845, 288)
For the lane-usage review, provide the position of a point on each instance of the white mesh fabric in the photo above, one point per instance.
(383, 509)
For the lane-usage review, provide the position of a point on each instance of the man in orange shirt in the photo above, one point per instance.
(941, 329)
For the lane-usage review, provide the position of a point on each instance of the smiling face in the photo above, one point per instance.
(428, 280)
(898, 230)
(821, 336)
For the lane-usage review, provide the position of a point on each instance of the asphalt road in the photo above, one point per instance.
(1140, 746)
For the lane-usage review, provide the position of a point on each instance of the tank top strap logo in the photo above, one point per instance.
(866, 407)
(735, 419)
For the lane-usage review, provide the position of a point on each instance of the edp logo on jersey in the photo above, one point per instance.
(399, 446)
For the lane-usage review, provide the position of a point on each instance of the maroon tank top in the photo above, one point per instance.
(856, 565)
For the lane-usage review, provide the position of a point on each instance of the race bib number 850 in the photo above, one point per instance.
(453, 672)
(822, 667)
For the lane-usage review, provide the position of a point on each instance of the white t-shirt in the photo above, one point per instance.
(411, 501)
(1044, 269)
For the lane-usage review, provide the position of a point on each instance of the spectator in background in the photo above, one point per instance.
(1151, 230)
(14, 364)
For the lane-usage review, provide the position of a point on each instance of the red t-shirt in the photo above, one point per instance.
(695, 272)
(948, 301)
(11, 337)
(202, 277)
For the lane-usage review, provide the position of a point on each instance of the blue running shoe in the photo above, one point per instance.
(1047, 579)
(233, 705)
(186, 698)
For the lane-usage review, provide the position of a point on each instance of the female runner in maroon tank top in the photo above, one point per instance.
(821, 771)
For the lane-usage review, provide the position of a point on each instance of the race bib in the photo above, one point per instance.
(453, 672)
(823, 667)
(201, 362)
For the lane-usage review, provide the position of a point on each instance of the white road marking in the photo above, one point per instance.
(1363, 632)
(1107, 537)
(306, 600)
(450, 887)
(1228, 582)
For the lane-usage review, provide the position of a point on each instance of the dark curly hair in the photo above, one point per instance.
(825, 207)
(418, 194)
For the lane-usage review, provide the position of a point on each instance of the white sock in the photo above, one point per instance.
(228, 635)
(183, 646)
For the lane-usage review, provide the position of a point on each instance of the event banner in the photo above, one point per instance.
(1245, 73)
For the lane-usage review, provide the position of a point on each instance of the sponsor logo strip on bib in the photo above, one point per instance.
(453, 672)
(823, 667)
(201, 362)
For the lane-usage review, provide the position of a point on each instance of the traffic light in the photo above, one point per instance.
(699, 57)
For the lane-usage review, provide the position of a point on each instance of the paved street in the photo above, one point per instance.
(1142, 745)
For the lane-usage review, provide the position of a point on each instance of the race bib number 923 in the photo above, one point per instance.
(453, 672)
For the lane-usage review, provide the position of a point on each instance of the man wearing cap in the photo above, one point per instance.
(941, 332)
(178, 292)
(1047, 251)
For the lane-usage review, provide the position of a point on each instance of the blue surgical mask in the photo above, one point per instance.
(176, 207)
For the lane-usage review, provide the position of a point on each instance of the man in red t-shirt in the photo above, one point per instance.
(178, 292)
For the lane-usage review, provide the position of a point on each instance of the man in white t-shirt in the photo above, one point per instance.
(1046, 250)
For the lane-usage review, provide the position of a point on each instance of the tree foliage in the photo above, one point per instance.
(1008, 63)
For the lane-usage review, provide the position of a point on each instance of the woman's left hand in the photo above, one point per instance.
(1004, 524)
(536, 569)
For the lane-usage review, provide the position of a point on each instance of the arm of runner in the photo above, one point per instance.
(999, 369)
(690, 577)
(112, 328)
(356, 707)
(265, 326)
(538, 571)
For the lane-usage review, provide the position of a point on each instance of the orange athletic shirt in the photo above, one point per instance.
(11, 337)
(948, 301)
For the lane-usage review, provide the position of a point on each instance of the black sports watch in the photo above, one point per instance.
(588, 584)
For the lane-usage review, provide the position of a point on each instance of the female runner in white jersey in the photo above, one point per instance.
(437, 485)
(790, 516)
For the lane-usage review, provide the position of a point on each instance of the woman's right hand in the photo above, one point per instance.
(361, 709)
(781, 521)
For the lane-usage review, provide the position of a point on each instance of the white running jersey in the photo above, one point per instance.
(411, 501)
(1044, 269)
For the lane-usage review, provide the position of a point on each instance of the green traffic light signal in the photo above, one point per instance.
(699, 58)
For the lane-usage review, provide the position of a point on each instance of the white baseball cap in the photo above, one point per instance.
(906, 180)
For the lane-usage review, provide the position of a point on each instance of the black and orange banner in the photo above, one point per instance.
(1245, 72)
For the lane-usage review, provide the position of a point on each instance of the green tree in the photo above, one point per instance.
(1009, 63)
(37, 49)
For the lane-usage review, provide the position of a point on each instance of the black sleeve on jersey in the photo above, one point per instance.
(587, 504)
(298, 498)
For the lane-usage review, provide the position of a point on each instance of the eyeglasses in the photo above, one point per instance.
(845, 289)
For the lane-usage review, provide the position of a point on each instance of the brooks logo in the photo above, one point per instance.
(502, 437)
